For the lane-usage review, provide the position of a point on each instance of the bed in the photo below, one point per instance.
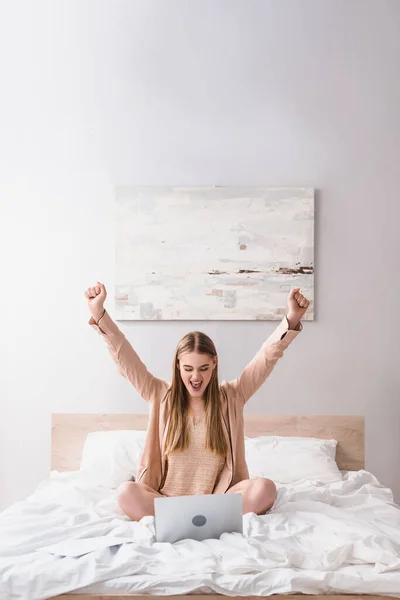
(366, 504)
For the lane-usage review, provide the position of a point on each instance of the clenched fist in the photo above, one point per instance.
(297, 306)
(96, 296)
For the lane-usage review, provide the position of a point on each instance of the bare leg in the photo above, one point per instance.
(136, 500)
(258, 494)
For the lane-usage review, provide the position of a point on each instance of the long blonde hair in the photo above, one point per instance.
(177, 437)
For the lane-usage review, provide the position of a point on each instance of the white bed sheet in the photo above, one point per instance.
(342, 537)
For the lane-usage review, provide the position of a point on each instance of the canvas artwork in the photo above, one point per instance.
(212, 253)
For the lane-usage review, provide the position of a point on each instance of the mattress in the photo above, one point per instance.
(342, 537)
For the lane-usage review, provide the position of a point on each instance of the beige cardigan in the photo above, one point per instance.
(234, 395)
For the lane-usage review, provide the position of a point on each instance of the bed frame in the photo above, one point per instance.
(69, 432)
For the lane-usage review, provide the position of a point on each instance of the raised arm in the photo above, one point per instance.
(255, 373)
(128, 362)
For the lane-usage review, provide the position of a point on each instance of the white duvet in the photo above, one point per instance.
(342, 537)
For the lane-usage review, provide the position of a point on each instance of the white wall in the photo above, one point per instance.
(237, 92)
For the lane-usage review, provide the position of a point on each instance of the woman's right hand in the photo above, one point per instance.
(96, 296)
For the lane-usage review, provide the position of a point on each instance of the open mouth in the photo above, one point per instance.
(196, 386)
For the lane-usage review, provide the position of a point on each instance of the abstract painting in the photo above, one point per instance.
(212, 253)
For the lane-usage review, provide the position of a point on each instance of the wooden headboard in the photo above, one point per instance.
(69, 432)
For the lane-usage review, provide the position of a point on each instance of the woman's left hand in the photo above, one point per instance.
(297, 306)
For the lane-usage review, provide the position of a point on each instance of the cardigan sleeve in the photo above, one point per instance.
(128, 362)
(258, 369)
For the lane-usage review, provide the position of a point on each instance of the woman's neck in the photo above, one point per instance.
(196, 406)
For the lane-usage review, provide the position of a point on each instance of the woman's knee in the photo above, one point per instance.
(125, 490)
(265, 486)
(265, 491)
(136, 500)
(127, 498)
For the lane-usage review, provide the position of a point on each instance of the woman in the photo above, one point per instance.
(195, 436)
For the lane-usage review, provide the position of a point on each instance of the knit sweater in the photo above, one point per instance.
(194, 470)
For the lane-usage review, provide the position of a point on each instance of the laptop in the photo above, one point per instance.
(197, 517)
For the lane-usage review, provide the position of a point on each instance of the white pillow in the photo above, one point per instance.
(292, 459)
(111, 457)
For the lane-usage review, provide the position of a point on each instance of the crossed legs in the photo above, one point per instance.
(136, 500)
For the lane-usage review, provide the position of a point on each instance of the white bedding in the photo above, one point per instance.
(342, 537)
